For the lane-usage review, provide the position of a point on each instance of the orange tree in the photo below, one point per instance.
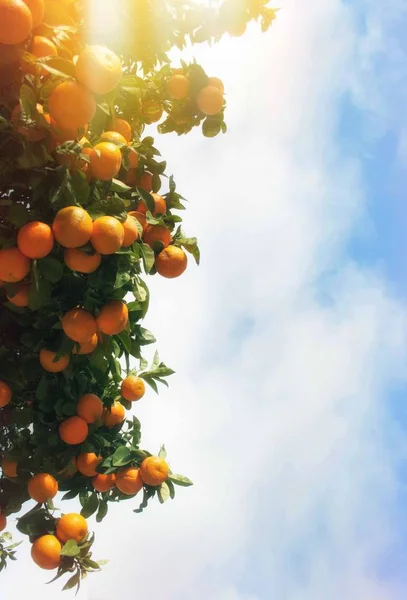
(83, 221)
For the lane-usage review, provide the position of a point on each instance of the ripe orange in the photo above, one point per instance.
(37, 9)
(133, 158)
(123, 127)
(16, 21)
(145, 181)
(20, 298)
(178, 87)
(72, 527)
(99, 69)
(113, 317)
(114, 416)
(171, 262)
(40, 47)
(5, 394)
(131, 233)
(33, 134)
(42, 487)
(9, 468)
(157, 233)
(87, 347)
(90, 408)
(63, 134)
(129, 481)
(80, 261)
(152, 110)
(105, 161)
(48, 362)
(35, 239)
(3, 522)
(14, 266)
(107, 235)
(87, 462)
(160, 205)
(210, 100)
(104, 483)
(79, 325)
(46, 552)
(218, 83)
(74, 430)
(71, 105)
(133, 388)
(72, 227)
(141, 218)
(154, 470)
(114, 137)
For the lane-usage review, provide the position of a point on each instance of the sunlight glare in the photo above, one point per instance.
(104, 17)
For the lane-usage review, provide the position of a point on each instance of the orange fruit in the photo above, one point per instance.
(171, 262)
(90, 408)
(178, 87)
(160, 205)
(72, 527)
(216, 82)
(113, 317)
(16, 21)
(107, 235)
(79, 325)
(210, 100)
(3, 522)
(104, 483)
(40, 47)
(35, 239)
(9, 468)
(141, 218)
(37, 9)
(42, 487)
(48, 362)
(131, 233)
(129, 481)
(157, 233)
(14, 266)
(114, 416)
(20, 298)
(145, 181)
(72, 227)
(152, 110)
(71, 105)
(154, 470)
(87, 347)
(33, 134)
(74, 430)
(114, 137)
(123, 127)
(5, 394)
(133, 158)
(80, 261)
(105, 161)
(63, 134)
(46, 552)
(87, 462)
(132, 388)
(99, 69)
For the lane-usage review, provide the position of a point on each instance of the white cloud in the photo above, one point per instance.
(284, 349)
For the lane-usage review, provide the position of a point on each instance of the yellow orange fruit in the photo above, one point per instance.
(98, 69)
(141, 218)
(42, 487)
(87, 462)
(171, 262)
(37, 9)
(114, 137)
(14, 266)
(87, 347)
(35, 239)
(72, 227)
(113, 317)
(129, 481)
(49, 363)
(21, 297)
(105, 161)
(71, 105)
(123, 127)
(72, 527)
(157, 233)
(178, 87)
(131, 233)
(160, 205)
(16, 21)
(132, 388)
(218, 83)
(74, 430)
(114, 415)
(41, 47)
(5, 394)
(9, 468)
(104, 483)
(107, 235)
(210, 100)
(81, 261)
(154, 470)
(46, 552)
(90, 408)
(79, 325)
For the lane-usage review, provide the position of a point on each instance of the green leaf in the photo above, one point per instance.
(125, 340)
(147, 256)
(72, 582)
(119, 186)
(51, 268)
(180, 480)
(121, 457)
(145, 337)
(58, 66)
(163, 452)
(71, 549)
(102, 512)
(211, 128)
(91, 505)
(147, 198)
(18, 215)
(163, 493)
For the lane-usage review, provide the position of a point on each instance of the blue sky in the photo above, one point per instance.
(290, 340)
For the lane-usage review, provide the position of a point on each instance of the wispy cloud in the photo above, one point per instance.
(285, 349)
